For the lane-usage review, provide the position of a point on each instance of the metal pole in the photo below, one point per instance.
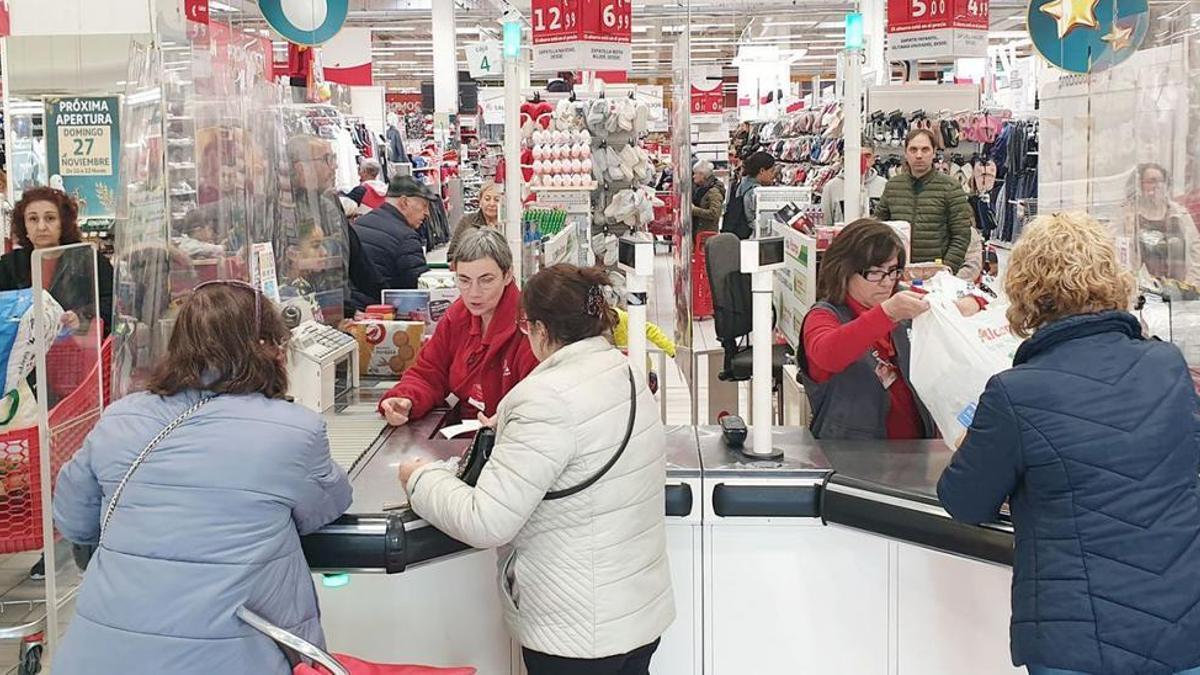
(512, 159)
(761, 379)
(852, 107)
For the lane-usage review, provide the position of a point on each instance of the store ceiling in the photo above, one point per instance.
(811, 29)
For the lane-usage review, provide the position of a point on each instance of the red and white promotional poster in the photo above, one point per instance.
(582, 35)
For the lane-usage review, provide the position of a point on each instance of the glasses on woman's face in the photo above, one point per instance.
(485, 283)
(877, 275)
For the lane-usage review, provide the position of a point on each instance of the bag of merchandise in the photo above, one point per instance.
(18, 352)
(954, 356)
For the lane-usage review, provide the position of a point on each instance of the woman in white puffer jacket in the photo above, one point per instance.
(585, 578)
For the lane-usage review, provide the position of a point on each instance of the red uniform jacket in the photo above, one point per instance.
(479, 369)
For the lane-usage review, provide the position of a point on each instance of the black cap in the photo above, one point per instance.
(407, 186)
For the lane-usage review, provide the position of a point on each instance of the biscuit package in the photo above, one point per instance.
(387, 348)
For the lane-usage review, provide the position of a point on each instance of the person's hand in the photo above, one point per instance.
(905, 305)
(396, 410)
(70, 320)
(489, 422)
(967, 305)
(408, 468)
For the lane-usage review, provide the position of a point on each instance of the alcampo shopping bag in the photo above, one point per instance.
(954, 356)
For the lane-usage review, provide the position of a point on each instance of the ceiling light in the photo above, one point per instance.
(832, 24)
(393, 29)
(216, 5)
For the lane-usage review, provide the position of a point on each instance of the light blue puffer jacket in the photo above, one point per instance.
(209, 522)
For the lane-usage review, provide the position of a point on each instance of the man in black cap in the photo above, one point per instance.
(389, 233)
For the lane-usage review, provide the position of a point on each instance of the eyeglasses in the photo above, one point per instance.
(484, 283)
(876, 276)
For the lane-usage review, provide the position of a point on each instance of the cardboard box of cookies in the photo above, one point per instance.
(387, 348)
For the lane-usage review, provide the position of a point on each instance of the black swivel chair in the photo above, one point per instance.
(732, 311)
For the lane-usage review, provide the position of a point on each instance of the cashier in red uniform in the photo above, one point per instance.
(854, 355)
(477, 352)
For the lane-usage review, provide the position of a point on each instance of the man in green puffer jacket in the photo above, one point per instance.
(934, 204)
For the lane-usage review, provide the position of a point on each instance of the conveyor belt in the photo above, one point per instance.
(352, 432)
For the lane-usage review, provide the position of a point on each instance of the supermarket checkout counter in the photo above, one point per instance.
(380, 534)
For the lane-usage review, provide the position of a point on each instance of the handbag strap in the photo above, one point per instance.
(560, 494)
(137, 461)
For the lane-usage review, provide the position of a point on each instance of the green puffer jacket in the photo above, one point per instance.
(937, 209)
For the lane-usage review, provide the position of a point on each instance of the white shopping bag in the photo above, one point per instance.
(954, 356)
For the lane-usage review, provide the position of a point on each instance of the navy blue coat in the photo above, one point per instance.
(1092, 439)
(395, 249)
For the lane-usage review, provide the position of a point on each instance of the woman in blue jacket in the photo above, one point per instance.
(211, 519)
(1092, 440)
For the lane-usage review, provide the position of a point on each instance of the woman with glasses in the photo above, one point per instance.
(477, 352)
(854, 352)
(1168, 243)
(196, 493)
(488, 215)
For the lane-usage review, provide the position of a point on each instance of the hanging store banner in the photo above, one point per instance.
(1087, 37)
(83, 146)
(582, 35)
(932, 29)
(5, 21)
(196, 11)
(311, 23)
(347, 58)
(708, 96)
(485, 60)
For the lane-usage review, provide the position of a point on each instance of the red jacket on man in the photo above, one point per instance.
(460, 359)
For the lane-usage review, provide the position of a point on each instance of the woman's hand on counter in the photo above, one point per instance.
(489, 422)
(408, 468)
(396, 410)
(904, 306)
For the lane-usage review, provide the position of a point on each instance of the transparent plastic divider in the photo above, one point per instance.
(68, 326)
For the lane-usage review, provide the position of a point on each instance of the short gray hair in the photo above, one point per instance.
(704, 167)
(484, 242)
(370, 166)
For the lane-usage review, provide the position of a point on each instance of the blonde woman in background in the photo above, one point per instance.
(488, 215)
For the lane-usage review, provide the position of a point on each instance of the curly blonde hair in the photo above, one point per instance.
(1064, 264)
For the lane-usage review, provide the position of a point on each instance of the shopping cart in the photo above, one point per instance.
(70, 421)
(312, 660)
(663, 224)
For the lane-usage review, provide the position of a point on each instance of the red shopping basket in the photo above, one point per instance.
(71, 420)
(702, 302)
(324, 663)
(663, 224)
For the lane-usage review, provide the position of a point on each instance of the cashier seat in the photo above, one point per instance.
(732, 310)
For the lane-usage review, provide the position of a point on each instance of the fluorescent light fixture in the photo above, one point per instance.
(832, 24)
(217, 6)
(393, 29)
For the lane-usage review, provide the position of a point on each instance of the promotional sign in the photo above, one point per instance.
(582, 35)
(196, 11)
(403, 103)
(347, 58)
(485, 60)
(927, 29)
(83, 146)
(310, 22)
(708, 97)
(1082, 36)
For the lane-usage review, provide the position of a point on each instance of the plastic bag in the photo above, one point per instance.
(954, 356)
(17, 351)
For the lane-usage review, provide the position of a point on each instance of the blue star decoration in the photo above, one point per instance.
(1087, 36)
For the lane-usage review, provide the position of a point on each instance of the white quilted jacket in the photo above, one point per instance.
(586, 576)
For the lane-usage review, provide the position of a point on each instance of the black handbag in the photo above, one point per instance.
(476, 456)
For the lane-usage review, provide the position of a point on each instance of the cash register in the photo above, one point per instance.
(320, 358)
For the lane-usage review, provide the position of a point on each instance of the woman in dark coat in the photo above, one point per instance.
(45, 218)
(1091, 438)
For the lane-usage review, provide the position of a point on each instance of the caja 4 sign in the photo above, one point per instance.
(306, 22)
